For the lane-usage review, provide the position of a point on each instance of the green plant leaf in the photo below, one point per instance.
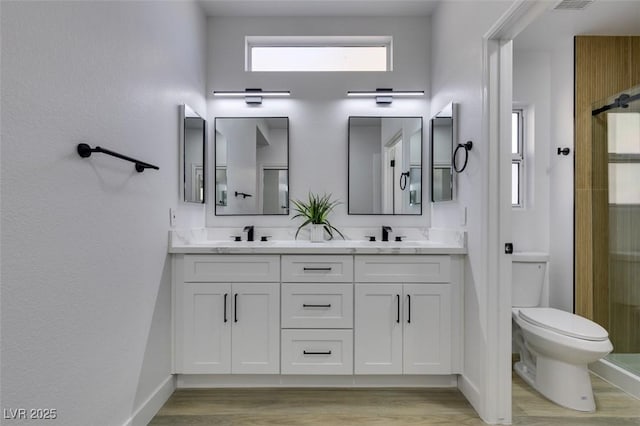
(315, 210)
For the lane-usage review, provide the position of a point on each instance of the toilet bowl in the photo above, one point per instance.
(555, 349)
(555, 346)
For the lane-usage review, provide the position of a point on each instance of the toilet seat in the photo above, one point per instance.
(564, 323)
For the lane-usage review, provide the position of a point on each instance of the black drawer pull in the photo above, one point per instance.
(225, 306)
(305, 305)
(235, 307)
(409, 308)
(316, 353)
(308, 268)
(398, 317)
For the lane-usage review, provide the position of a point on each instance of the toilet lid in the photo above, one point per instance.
(564, 323)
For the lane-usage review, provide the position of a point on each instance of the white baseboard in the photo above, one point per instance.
(145, 412)
(471, 392)
(628, 382)
(318, 381)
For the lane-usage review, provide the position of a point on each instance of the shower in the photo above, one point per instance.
(616, 243)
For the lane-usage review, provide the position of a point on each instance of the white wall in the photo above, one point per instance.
(532, 93)
(544, 80)
(561, 177)
(318, 108)
(457, 70)
(85, 273)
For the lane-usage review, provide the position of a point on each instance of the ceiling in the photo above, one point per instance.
(318, 7)
(602, 17)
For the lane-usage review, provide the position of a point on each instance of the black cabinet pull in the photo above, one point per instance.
(235, 307)
(307, 268)
(305, 305)
(225, 306)
(398, 317)
(316, 353)
(409, 308)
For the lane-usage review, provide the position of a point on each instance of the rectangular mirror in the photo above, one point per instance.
(192, 150)
(252, 166)
(442, 137)
(385, 165)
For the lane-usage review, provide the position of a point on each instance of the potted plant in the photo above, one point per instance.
(315, 212)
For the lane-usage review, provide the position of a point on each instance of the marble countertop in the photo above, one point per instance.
(179, 244)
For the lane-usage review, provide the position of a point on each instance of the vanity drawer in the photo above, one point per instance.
(403, 269)
(317, 269)
(231, 268)
(317, 305)
(317, 352)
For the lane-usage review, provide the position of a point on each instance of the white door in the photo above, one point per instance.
(206, 328)
(256, 328)
(427, 328)
(378, 329)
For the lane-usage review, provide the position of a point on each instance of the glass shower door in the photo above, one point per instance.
(617, 124)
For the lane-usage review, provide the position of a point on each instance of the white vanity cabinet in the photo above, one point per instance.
(290, 317)
(317, 314)
(405, 318)
(227, 314)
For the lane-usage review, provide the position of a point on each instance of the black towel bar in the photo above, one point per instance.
(85, 151)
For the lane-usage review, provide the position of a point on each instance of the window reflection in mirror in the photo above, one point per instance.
(442, 136)
(193, 152)
(252, 166)
(385, 165)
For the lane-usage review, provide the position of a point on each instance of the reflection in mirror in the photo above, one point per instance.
(385, 165)
(193, 143)
(442, 136)
(221, 186)
(252, 166)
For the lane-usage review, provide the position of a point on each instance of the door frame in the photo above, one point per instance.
(497, 92)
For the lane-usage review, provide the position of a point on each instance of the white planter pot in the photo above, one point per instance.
(316, 233)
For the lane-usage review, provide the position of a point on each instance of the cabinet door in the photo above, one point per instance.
(206, 335)
(256, 328)
(427, 329)
(378, 329)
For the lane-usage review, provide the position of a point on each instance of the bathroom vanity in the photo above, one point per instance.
(334, 313)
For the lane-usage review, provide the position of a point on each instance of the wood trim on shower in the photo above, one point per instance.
(604, 66)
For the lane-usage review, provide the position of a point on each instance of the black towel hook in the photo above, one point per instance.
(85, 151)
(467, 147)
(404, 177)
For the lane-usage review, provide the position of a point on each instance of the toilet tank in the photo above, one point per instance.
(529, 270)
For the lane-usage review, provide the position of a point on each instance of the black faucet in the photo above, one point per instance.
(249, 231)
(385, 233)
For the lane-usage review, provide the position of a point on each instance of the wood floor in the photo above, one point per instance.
(384, 407)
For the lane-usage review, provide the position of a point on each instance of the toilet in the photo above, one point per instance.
(555, 346)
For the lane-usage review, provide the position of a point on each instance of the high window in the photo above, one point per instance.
(517, 158)
(308, 53)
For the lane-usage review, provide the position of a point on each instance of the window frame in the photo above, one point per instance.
(518, 157)
(318, 41)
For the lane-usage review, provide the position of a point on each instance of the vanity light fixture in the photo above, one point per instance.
(252, 96)
(385, 96)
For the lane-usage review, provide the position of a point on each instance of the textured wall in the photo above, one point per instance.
(85, 273)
